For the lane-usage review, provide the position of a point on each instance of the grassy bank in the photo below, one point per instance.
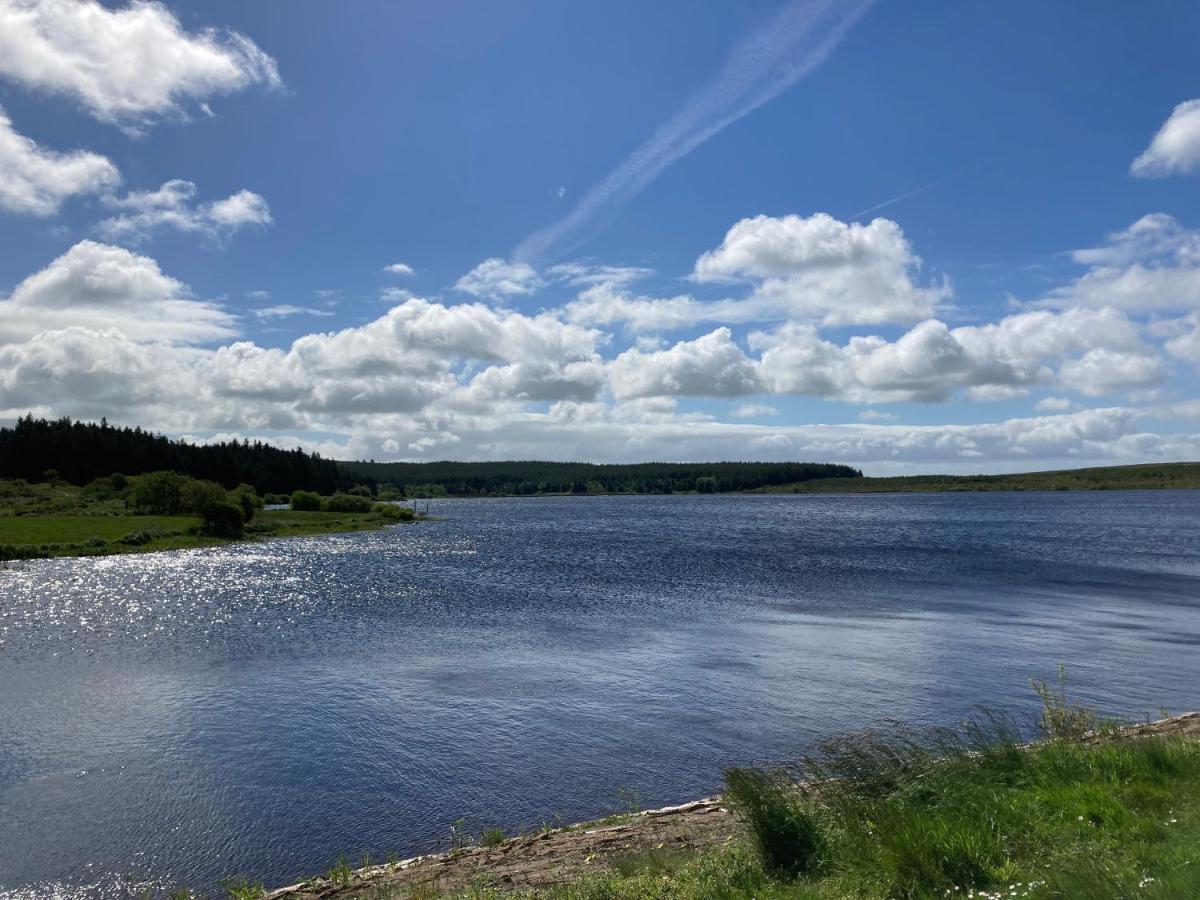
(1105, 478)
(43, 536)
(1089, 811)
(57, 519)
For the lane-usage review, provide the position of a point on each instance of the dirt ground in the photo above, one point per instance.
(565, 854)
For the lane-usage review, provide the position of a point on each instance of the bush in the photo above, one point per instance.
(199, 495)
(224, 519)
(221, 512)
(346, 503)
(159, 493)
(276, 499)
(360, 490)
(394, 513)
(138, 538)
(248, 498)
(306, 501)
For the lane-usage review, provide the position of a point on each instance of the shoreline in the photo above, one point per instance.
(553, 857)
(121, 535)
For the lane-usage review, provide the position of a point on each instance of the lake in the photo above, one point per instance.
(260, 709)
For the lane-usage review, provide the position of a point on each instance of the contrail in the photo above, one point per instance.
(763, 64)
(898, 198)
(922, 189)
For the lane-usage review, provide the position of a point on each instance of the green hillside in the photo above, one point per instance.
(1103, 478)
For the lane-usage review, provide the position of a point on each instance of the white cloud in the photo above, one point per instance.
(399, 268)
(587, 274)
(1152, 265)
(498, 279)
(1186, 343)
(932, 361)
(874, 415)
(712, 366)
(125, 66)
(103, 331)
(171, 206)
(821, 268)
(35, 180)
(1053, 404)
(1102, 371)
(99, 286)
(284, 310)
(396, 294)
(1175, 150)
(813, 268)
(754, 411)
(762, 64)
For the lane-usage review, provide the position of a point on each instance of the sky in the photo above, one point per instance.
(927, 236)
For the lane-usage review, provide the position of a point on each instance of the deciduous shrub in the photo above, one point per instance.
(393, 512)
(248, 498)
(346, 503)
(306, 501)
(159, 493)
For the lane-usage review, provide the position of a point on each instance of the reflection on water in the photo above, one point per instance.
(260, 709)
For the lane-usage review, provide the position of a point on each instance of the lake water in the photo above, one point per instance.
(259, 709)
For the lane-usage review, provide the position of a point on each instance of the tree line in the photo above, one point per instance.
(80, 452)
(538, 477)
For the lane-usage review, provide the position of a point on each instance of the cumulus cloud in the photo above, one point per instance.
(821, 268)
(498, 279)
(103, 331)
(35, 180)
(100, 286)
(1185, 344)
(932, 361)
(173, 206)
(125, 66)
(1154, 264)
(399, 268)
(712, 366)
(1175, 150)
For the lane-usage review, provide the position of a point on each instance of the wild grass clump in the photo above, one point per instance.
(1061, 717)
(340, 873)
(785, 830)
(903, 812)
(492, 837)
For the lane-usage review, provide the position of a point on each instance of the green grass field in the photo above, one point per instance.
(68, 529)
(46, 535)
(1105, 478)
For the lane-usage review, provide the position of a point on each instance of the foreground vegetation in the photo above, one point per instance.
(164, 511)
(1088, 811)
(1104, 478)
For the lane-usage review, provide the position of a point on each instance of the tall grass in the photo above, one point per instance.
(913, 813)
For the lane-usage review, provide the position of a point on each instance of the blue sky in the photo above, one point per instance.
(928, 236)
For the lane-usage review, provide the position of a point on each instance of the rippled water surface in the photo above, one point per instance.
(176, 718)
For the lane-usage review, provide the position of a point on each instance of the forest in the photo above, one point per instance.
(520, 478)
(79, 452)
